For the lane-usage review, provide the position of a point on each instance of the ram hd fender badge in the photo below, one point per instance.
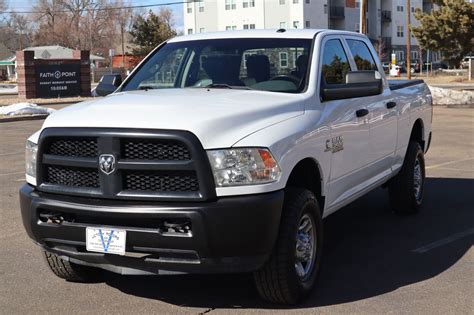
(107, 163)
(334, 144)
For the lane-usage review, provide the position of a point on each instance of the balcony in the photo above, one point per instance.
(336, 12)
(386, 16)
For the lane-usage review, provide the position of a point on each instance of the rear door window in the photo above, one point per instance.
(362, 56)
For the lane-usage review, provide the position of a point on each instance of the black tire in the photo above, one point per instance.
(277, 281)
(404, 198)
(70, 271)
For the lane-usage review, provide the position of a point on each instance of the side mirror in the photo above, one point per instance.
(358, 84)
(108, 84)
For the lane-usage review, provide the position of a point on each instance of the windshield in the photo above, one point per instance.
(277, 65)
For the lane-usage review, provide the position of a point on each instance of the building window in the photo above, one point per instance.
(283, 60)
(234, 27)
(399, 31)
(412, 10)
(282, 1)
(252, 26)
(189, 7)
(325, 9)
(399, 8)
(307, 24)
(296, 24)
(400, 55)
(357, 27)
(202, 30)
(230, 5)
(231, 28)
(295, 57)
(248, 3)
(307, 1)
(357, 4)
(228, 28)
(190, 31)
(415, 55)
(296, 1)
(282, 24)
(201, 5)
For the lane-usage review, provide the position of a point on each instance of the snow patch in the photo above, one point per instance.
(19, 109)
(8, 89)
(451, 97)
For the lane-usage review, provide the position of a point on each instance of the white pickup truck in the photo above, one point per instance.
(223, 152)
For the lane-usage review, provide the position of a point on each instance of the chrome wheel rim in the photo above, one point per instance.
(417, 180)
(306, 246)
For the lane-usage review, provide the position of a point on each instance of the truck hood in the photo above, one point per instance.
(218, 117)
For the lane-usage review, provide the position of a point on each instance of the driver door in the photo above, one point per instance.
(349, 134)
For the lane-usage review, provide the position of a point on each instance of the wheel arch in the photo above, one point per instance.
(307, 174)
(418, 133)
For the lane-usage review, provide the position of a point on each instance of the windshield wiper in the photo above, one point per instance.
(146, 87)
(226, 86)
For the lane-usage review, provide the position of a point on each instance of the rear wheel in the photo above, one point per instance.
(406, 190)
(70, 271)
(291, 271)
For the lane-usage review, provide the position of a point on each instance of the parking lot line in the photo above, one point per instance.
(443, 241)
(12, 153)
(8, 174)
(448, 163)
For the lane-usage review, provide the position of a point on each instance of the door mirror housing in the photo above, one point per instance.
(108, 84)
(358, 84)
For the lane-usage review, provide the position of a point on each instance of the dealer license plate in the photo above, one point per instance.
(106, 240)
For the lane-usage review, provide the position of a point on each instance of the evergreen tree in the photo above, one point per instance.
(149, 32)
(448, 29)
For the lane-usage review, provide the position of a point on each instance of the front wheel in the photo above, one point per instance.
(70, 271)
(291, 271)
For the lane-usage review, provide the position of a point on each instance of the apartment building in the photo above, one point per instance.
(386, 19)
(220, 15)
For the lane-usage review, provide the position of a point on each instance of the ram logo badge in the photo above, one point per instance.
(107, 163)
(334, 144)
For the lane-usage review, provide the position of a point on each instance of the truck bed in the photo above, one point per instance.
(400, 84)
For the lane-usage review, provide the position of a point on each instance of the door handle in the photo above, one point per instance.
(362, 112)
(391, 105)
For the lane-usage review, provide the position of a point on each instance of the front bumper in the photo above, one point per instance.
(232, 234)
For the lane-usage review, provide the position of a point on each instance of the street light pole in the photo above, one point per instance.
(408, 41)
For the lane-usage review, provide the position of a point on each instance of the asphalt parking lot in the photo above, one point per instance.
(375, 262)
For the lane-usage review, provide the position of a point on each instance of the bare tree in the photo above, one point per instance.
(124, 19)
(381, 49)
(48, 17)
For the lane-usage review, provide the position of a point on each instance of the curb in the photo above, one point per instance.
(23, 118)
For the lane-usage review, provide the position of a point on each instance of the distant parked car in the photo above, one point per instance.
(465, 62)
(108, 84)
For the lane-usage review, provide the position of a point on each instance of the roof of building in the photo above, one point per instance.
(8, 61)
(57, 52)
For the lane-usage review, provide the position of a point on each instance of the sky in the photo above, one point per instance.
(25, 5)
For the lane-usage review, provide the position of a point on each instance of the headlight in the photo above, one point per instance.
(30, 158)
(243, 166)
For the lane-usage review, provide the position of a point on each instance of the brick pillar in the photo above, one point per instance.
(85, 78)
(25, 63)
